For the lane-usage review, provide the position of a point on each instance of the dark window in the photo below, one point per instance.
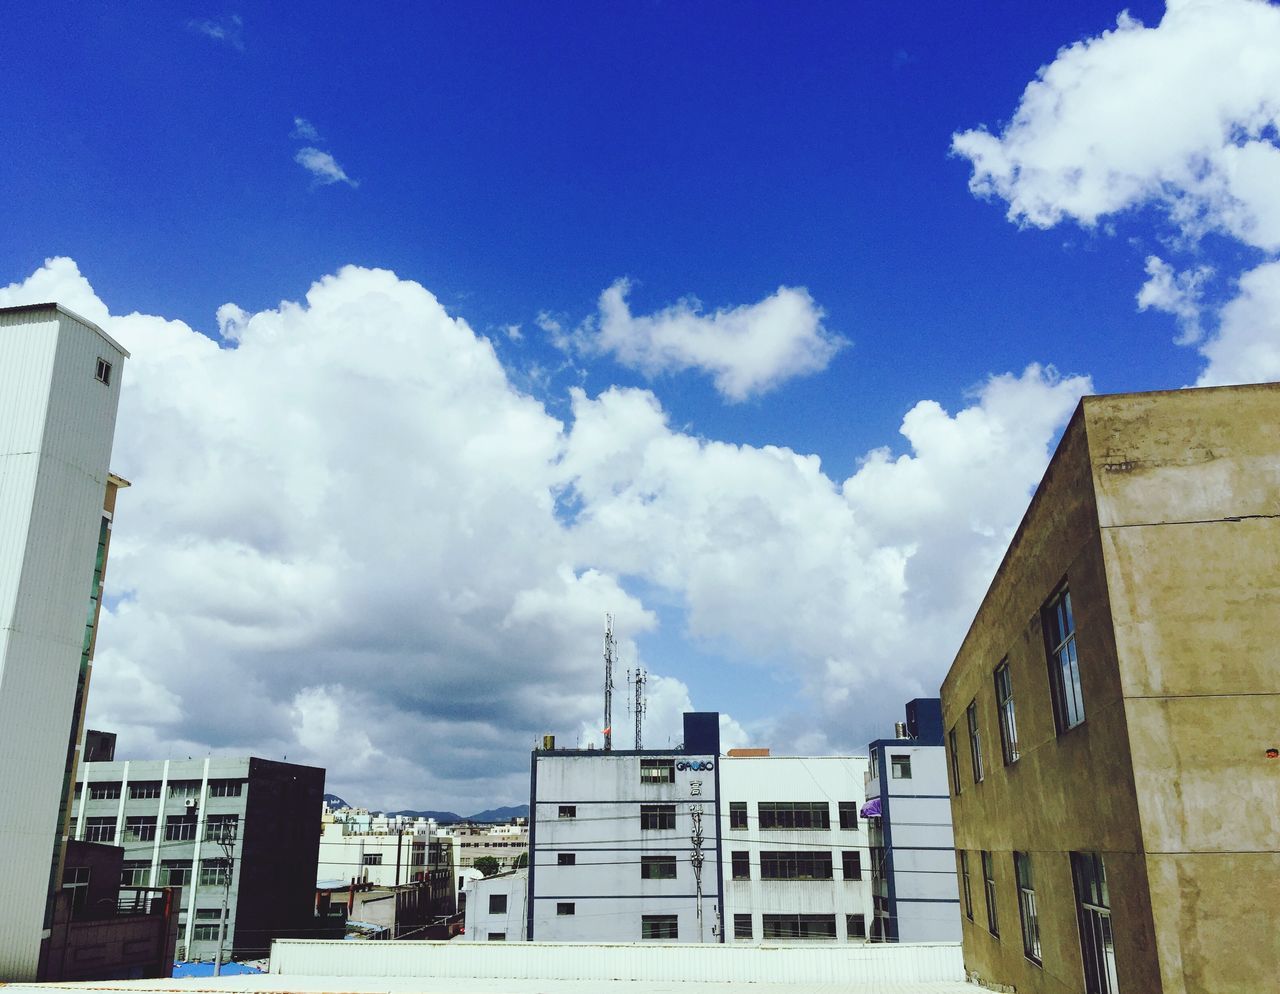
(104, 791)
(175, 872)
(657, 816)
(135, 872)
(741, 866)
(371, 859)
(799, 926)
(742, 927)
(225, 788)
(497, 937)
(102, 372)
(855, 926)
(851, 862)
(144, 789)
(221, 828)
(100, 830)
(497, 904)
(878, 859)
(568, 811)
(975, 741)
(566, 908)
(1093, 906)
(900, 767)
(1027, 905)
(989, 892)
(795, 814)
(1005, 714)
(179, 828)
(955, 761)
(566, 858)
(737, 814)
(657, 771)
(214, 873)
(184, 788)
(1064, 668)
(657, 867)
(848, 815)
(659, 927)
(965, 885)
(795, 865)
(140, 828)
(76, 880)
(206, 927)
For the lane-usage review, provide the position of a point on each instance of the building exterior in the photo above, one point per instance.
(505, 843)
(796, 859)
(624, 844)
(59, 391)
(496, 907)
(908, 815)
(243, 830)
(1113, 715)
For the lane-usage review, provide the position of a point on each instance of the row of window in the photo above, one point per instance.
(110, 790)
(801, 815)
(174, 873)
(797, 865)
(1058, 622)
(799, 926)
(1093, 912)
(177, 828)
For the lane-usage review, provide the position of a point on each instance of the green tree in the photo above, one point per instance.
(522, 860)
(487, 865)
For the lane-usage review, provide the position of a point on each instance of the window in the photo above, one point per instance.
(657, 771)
(179, 828)
(851, 864)
(1064, 668)
(741, 866)
(566, 908)
(1005, 714)
(79, 790)
(659, 927)
(877, 862)
(223, 828)
(140, 828)
(848, 815)
(184, 788)
(76, 880)
(104, 791)
(799, 926)
(497, 937)
(900, 767)
(214, 873)
(975, 742)
(989, 891)
(225, 788)
(1027, 906)
(144, 789)
(206, 927)
(855, 926)
(657, 867)
(135, 872)
(795, 865)
(566, 858)
(100, 830)
(965, 886)
(175, 872)
(371, 859)
(742, 927)
(568, 811)
(497, 904)
(955, 761)
(657, 816)
(1093, 906)
(795, 814)
(102, 373)
(737, 814)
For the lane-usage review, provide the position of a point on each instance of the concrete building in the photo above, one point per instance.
(505, 843)
(385, 850)
(497, 907)
(796, 858)
(59, 391)
(908, 815)
(624, 844)
(1113, 715)
(244, 829)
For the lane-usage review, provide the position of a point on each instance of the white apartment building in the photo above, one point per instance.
(497, 909)
(796, 857)
(59, 391)
(384, 850)
(908, 810)
(505, 843)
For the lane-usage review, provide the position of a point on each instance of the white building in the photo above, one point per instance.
(908, 809)
(384, 850)
(623, 843)
(59, 391)
(505, 843)
(795, 853)
(497, 908)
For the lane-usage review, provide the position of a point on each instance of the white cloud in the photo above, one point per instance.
(1179, 294)
(230, 30)
(342, 545)
(304, 130)
(1246, 348)
(323, 166)
(747, 350)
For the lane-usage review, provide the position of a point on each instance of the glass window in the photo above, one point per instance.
(76, 880)
(795, 814)
(848, 815)
(102, 372)
(657, 817)
(855, 926)
(144, 789)
(1005, 713)
(1097, 940)
(566, 908)
(100, 829)
(659, 927)
(1027, 906)
(657, 867)
(1064, 668)
(371, 859)
(989, 889)
(497, 904)
(795, 865)
(657, 771)
(175, 872)
(742, 927)
(975, 741)
(225, 788)
(737, 814)
(954, 755)
(965, 885)
(135, 872)
(568, 811)
(566, 858)
(900, 767)
(220, 828)
(214, 873)
(140, 828)
(851, 864)
(497, 937)
(184, 788)
(741, 866)
(106, 791)
(799, 926)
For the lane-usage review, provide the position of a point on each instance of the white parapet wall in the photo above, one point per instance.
(649, 961)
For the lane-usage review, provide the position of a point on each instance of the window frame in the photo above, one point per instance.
(953, 749)
(1028, 914)
(655, 928)
(798, 927)
(739, 920)
(497, 899)
(737, 815)
(566, 909)
(657, 817)
(989, 892)
(1069, 711)
(567, 811)
(855, 926)
(740, 864)
(566, 859)
(1093, 917)
(100, 829)
(853, 856)
(900, 766)
(847, 812)
(796, 864)
(966, 883)
(773, 816)
(975, 741)
(102, 372)
(655, 867)
(657, 771)
(1006, 713)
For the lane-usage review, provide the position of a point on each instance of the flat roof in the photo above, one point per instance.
(68, 312)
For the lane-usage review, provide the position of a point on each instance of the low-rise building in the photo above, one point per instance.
(497, 907)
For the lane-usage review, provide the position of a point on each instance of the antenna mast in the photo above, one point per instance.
(608, 682)
(641, 679)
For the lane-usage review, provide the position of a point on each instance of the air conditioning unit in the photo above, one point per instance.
(191, 803)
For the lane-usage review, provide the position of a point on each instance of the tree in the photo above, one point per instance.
(486, 865)
(522, 861)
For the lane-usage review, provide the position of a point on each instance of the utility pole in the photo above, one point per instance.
(697, 859)
(227, 843)
(608, 682)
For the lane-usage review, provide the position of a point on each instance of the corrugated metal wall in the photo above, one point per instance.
(799, 966)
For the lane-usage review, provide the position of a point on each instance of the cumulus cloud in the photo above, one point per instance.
(229, 30)
(345, 544)
(1183, 116)
(323, 167)
(747, 350)
(1246, 348)
(304, 130)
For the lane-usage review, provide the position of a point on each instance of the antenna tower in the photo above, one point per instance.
(641, 679)
(608, 681)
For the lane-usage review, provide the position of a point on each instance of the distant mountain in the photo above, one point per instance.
(450, 818)
(334, 801)
(443, 817)
(502, 814)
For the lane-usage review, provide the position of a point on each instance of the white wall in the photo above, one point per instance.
(482, 924)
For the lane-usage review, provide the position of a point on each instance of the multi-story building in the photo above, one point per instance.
(624, 844)
(505, 843)
(496, 907)
(1113, 714)
(795, 853)
(59, 391)
(241, 831)
(908, 814)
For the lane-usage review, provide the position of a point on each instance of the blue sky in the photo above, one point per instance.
(518, 159)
